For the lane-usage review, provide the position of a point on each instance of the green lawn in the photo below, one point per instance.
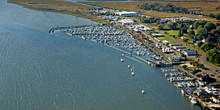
(171, 32)
(165, 38)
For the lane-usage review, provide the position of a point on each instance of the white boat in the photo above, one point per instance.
(129, 66)
(122, 55)
(193, 100)
(122, 60)
(182, 91)
(132, 73)
(143, 92)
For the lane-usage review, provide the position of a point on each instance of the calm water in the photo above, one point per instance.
(40, 71)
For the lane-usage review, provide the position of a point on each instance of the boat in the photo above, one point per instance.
(122, 60)
(132, 73)
(182, 91)
(129, 66)
(193, 100)
(122, 55)
(143, 92)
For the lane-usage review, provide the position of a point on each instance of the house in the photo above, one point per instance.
(189, 52)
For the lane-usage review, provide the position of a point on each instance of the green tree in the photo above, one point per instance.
(206, 46)
(197, 23)
(202, 32)
(211, 54)
(209, 39)
(209, 26)
(217, 59)
(172, 25)
(191, 34)
(184, 66)
(160, 27)
(218, 29)
(217, 16)
(199, 44)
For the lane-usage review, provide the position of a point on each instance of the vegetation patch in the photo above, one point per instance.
(165, 38)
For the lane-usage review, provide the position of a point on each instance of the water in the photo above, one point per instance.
(40, 71)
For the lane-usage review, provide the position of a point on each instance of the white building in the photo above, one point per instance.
(127, 14)
(126, 21)
(174, 58)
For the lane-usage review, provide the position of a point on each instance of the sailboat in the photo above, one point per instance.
(132, 71)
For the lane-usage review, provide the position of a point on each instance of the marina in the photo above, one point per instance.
(114, 38)
(66, 71)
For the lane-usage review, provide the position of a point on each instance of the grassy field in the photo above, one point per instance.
(207, 8)
(59, 7)
(165, 38)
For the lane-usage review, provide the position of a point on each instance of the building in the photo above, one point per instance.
(189, 52)
(126, 21)
(157, 35)
(174, 44)
(165, 42)
(127, 14)
(174, 59)
(179, 47)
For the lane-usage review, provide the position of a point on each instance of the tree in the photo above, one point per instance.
(172, 25)
(199, 44)
(184, 66)
(211, 54)
(217, 16)
(209, 26)
(197, 23)
(184, 30)
(200, 26)
(207, 46)
(212, 15)
(180, 33)
(209, 39)
(218, 29)
(191, 34)
(202, 32)
(217, 59)
(160, 27)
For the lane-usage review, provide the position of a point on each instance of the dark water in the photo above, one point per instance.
(40, 71)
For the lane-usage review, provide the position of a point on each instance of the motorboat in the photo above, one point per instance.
(193, 100)
(129, 66)
(142, 91)
(122, 60)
